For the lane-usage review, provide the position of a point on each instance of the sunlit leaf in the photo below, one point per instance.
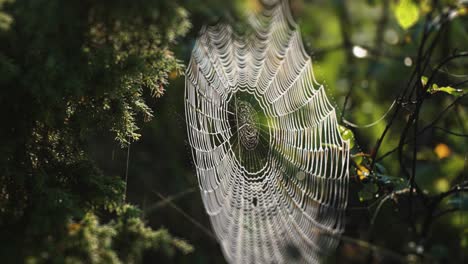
(363, 173)
(442, 150)
(358, 158)
(424, 80)
(406, 13)
(445, 89)
(347, 134)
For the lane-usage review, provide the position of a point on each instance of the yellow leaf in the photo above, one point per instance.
(442, 151)
(406, 13)
(442, 185)
(362, 172)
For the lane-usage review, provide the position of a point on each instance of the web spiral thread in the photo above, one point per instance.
(271, 164)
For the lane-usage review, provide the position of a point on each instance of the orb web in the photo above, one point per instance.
(271, 164)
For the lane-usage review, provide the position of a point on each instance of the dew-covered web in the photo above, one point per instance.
(271, 164)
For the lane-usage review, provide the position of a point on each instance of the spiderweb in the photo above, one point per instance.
(271, 164)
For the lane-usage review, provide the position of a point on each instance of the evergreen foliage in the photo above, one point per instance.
(70, 70)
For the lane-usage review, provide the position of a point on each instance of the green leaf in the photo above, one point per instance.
(406, 13)
(347, 134)
(446, 89)
(357, 159)
(424, 80)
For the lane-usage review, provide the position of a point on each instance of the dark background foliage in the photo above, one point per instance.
(95, 166)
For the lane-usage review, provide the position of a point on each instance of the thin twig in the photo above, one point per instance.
(126, 172)
(426, 128)
(188, 217)
(168, 199)
(451, 132)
